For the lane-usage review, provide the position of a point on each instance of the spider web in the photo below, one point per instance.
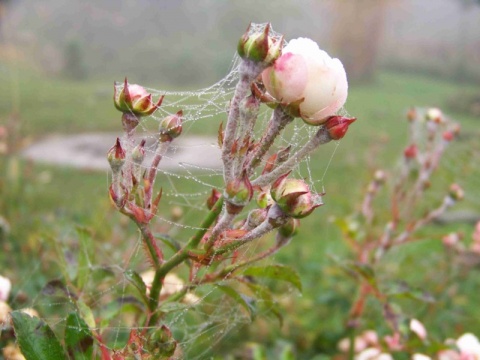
(202, 322)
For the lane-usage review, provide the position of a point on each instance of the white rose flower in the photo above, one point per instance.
(303, 71)
(5, 287)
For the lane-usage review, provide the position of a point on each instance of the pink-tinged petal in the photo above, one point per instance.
(142, 104)
(287, 79)
(136, 92)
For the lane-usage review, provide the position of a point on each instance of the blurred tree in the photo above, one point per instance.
(356, 33)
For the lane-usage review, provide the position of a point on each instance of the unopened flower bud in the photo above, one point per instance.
(171, 127)
(256, 217)
(456, 192)
(134, 99)
(289, 229)
(161, 343)
(337, 126)
(138, 153)
(213, 198)
(238, 193)
(259, 47)
(294, 197)
(116, 156)
(410, 152)
(435, 115)
(448, 136)
(264, 199)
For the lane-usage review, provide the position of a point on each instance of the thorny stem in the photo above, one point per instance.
(155, 253)
(249, 70)
(179, 257)
(220, 227)
(129, 143)
(277, 123)
(320, 138)
(160, 151)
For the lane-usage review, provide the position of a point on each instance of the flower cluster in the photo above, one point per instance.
(298, 80)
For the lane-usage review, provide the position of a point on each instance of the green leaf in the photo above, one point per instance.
(241, 299)
(86, 314)
(403, 290)
(169, 241)
(37, 341)
(78, 338)
(85, 256)
(278, 272)
(266, 301)
(136, 280)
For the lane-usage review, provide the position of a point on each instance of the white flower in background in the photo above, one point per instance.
(4, 314)
(469, 346)
(420, 357)
(171, 285)
(5, 287)
(418, 328)
(373, 354)
(303, 71)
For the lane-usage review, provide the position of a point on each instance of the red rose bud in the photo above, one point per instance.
(239, 192)
(294, 197)
(116, 156)
(134, 99)
(259, 47)
(213, 198)
(448, 136)
(138, 153)
(410, 152)
(171, 127)
(337, 126)
(456, 192)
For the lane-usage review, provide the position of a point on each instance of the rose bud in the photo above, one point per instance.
(337, 126)
(134, 99)
(5, 287)
(171, 127)
(213, 198)
(256, 217)
(138, 153)
(238, 193)
(456, 192)
(259, 47)
(309, 78)
(264, 199)
(116, 156)
(410, 152)
(448, 136)
(293, 196)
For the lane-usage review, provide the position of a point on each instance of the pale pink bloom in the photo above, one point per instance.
(303, 71)
(448, 355)
(418, 328)
(420, 357)
(5, 287)
(373, 354)
(469, 347)
(359, 345)
(393, 342)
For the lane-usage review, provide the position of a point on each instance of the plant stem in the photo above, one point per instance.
(320, 138)
(160, 151)
(179, 257)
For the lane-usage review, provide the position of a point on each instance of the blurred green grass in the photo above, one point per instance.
(42, 201)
